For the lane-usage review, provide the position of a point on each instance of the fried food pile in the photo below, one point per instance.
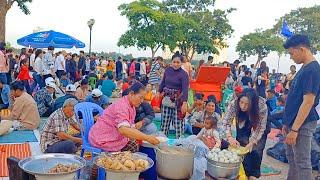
(60, 168)
(123, 162)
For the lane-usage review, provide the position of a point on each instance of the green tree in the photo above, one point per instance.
(260, 43)
(146, 28)
(203, 29)
(303, 21)
(5, 5)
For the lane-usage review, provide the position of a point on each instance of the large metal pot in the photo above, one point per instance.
(41, 164)
(223, 170)
(174, 162)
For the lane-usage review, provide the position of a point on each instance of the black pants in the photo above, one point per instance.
(72, 76)
(27, 86)
(252, 161)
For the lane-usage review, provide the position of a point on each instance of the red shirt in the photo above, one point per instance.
(156, 102)
(125, 86)
(24, 73)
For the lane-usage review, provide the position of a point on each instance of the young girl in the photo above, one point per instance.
(195, 111)
(209, 134)
(24, 75)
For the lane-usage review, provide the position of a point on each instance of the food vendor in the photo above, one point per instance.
(250, 112)
(115, 129)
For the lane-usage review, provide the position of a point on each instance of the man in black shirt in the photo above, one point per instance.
(247, 80)
(300, 115)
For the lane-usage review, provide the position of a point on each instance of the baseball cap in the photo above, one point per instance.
(96, 93)
(51, 84)
(49, 79)
(71, 88)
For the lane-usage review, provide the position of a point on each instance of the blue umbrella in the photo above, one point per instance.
(50, 38)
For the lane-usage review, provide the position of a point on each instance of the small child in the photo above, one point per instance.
(24, 74)
(209, 134)
(125, 85)
(280, 106)
(194, 113)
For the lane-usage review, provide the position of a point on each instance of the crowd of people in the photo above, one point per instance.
(49, 84)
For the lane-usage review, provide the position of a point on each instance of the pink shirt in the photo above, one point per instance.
(104, 133)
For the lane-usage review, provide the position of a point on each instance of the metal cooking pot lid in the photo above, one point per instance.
(41, 164)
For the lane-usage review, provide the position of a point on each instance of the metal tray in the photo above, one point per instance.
(41, 164)
(136, 155)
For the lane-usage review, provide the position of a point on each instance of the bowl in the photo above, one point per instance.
(41, 164)
(223, 170)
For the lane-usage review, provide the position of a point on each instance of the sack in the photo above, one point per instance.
(167, 102)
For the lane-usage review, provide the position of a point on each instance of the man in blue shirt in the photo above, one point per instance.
(98, 98)
(300, 116)
(108, 86)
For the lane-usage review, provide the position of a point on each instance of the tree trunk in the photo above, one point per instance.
(192, 54)
(3, 13)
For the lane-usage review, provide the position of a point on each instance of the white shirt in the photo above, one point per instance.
(124, 67)
(60, 63)
(97, 61)
(32, 59)
(38, 65)
(143, 68)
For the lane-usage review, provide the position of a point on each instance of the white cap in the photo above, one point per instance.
(71, 88)
(96, 93)
(51, 84)
(49, 79)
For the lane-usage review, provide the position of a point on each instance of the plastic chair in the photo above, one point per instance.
(86, 109)
(92, 82)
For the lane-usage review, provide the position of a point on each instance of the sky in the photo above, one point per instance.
(71, 16)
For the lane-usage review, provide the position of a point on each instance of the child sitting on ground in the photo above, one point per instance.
(195, 112)
(209, 134)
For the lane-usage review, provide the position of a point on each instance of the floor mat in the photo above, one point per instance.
(17, 150)
(268, 170)
(18, 137)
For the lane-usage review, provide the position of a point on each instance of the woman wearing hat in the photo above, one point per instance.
(250, 112)
(115, 129)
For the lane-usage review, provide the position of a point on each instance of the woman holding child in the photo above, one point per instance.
(250, 112)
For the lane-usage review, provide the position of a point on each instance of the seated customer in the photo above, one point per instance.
(70, 93)
(144, 117)
(108, 86)
(83, 91)
(195, 111)
(55, 137)
(4, 95)
(64, 81)
(276, 116)
(24, 113)
(271, 100)
(44, 99)
(98, 98)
